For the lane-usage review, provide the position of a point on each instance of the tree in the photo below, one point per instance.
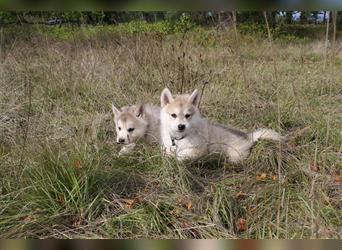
(288, 17)
(304, 17)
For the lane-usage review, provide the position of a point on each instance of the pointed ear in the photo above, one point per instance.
(140, 109)
(166, 97)
(116, 111)
(194, 98)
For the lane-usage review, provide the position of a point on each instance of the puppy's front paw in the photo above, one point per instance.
(126, 149)
(122, 152)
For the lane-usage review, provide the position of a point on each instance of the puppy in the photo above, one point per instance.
(136, 123)
(187, 135)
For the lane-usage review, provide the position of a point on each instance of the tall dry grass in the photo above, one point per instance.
(60, 175)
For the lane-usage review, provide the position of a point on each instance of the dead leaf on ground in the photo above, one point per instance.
(313, 166)
(29, 218)
(261, 177)
(77, 164)
(338, 179)
(76, 223)
(300, 131)
(240, 195)
(189, 205)
(174, 212)
(184, 202)
(274, 178)
(241, 225)
(61, 199)
(129, 203)
(193, 231)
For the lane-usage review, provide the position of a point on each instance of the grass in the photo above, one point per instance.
(60, 174)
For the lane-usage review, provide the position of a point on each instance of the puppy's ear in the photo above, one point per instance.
(166, 97)
(194, 98)
(116, 111)
(140, 110)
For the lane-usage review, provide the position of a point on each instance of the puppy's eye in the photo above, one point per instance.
(174, 115)
(131, 129)
(187, 116)
(119, 128)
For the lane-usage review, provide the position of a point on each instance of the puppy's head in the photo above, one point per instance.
(179, 114)
(129, 123)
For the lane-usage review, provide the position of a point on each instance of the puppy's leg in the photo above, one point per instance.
(190, 153)
(237, 156)
(238, 152)
(168, 150)
(127, 149)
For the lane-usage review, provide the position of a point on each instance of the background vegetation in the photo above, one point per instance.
(60, 175)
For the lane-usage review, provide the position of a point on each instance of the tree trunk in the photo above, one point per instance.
(303, 17)
(330, 16)
(289, 17)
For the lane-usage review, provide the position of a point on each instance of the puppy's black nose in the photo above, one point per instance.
(181, 127)
(121, 140)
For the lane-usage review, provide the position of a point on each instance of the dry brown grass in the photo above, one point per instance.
(66, 180)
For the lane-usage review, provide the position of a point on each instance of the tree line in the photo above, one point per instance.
(198, 17)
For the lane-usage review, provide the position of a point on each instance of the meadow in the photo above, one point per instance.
(60, 173)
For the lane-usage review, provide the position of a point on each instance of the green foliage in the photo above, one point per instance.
(162, 27)
(252, 29)
(68, 32)
(184, 24)
(285, 32)
(62, 32)
(7, 16)
(141, 27)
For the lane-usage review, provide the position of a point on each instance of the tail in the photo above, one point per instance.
(267, 134)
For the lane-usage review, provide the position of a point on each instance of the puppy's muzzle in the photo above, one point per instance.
(121, 141)
(181, 127)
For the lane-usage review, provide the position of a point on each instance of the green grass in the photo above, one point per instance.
(60, 174)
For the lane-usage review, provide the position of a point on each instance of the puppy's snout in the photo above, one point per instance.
(181, 127)
(121, 140)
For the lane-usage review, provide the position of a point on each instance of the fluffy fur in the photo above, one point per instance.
(136, 123)
(187, 135)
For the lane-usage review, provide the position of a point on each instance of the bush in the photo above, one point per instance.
(184, 24)
(287, 33)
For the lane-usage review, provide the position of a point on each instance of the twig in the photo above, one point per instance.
(1, 41)
(183, 72)
(270, 39)
(241, 62)
(332, 68)
(202, 91)
(189, 228)
(234, 25)
(182, 65)
(326, 42)
(312, 196)
(28, 90)
(278, 112)
(334, 17)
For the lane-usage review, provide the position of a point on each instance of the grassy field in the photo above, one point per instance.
(60, 174)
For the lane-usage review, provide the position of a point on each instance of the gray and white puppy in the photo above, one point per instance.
(136, 123)
(188, 135)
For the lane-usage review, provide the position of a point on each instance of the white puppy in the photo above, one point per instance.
(187, 135)
(136, 123)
